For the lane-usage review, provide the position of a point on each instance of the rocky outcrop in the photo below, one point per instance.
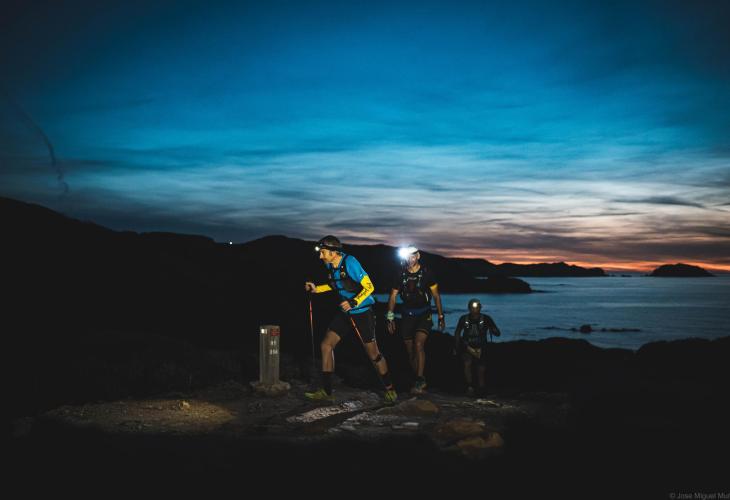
(481, 267)
(680, 271)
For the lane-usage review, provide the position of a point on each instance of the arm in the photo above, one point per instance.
(356, 272)
(437, 299)
(389, 315)
(311, 287)
(367, 289)
(457, 334)
(493, 327)
(391, 300)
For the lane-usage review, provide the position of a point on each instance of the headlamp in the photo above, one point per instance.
(405, 252)
(474, 304)
(328, 243)
(322, 246)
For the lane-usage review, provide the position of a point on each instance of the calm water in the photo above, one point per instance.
(659, 308)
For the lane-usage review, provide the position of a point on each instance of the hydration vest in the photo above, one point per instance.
(410, 289)
(474, 332)
(339, 275)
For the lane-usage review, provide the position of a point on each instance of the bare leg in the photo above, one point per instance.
(372, 350)
(411, 356)
(467, 369)
(328, 351)
(420, 355)
(482, 374)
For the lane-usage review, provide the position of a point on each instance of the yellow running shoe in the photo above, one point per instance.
(391, 396)
(320, 395)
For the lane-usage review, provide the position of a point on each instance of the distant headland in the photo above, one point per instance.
(481, 267)
(197, 267)
(680, 270)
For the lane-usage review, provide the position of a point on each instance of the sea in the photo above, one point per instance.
(622, 311)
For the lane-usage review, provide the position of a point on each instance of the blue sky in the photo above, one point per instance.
(591, 132)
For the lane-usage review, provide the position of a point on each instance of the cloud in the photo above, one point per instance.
(370, 223)
(591, 131)
(496, 216)
(297, 195)
(660, 200)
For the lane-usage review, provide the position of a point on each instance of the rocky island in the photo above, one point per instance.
(680, 271)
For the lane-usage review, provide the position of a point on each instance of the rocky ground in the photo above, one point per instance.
(564, 418)
(454, 424)
(229, 434)
(135, 434)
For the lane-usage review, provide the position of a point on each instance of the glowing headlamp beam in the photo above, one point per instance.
(405, 252)
(320, 247)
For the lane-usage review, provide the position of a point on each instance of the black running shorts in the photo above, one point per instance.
(365, 323)
(409, 325)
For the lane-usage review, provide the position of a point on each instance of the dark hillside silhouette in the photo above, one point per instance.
(680, 271)
(482, 267)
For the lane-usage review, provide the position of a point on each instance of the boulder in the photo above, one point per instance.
(478, 446)
(412, 407)
(460, 428)
(270, 390)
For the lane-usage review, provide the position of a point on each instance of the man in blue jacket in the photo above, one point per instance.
(355, 317)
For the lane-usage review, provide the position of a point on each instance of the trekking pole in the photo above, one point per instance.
(311, 332)
(357, 331)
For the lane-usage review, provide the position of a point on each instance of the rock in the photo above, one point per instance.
(184, 405)
(270, 390)
(699, 360)
(412, 407)
(503, 284)
(460, 428)
(405, 426)
(476, 446)
(488, 403)
(325, 412)
(585, 329)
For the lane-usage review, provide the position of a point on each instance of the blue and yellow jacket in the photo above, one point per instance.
(351, 281)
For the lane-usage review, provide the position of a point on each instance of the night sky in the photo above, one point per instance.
(592, 132)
